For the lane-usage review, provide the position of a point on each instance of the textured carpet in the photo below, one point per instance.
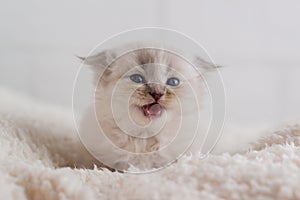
(41, 158)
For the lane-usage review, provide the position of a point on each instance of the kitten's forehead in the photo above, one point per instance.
(164, 61)
(155, 64)
(155, 72)
(170, 62)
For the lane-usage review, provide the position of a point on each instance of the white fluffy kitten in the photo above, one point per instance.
(142, 100)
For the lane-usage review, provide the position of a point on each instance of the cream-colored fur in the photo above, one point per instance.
(125, 130)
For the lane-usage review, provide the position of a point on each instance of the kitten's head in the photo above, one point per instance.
(146, 84)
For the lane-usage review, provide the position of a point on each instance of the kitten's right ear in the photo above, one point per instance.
(205, 65)
(102, 59)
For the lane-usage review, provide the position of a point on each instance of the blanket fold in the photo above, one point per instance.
(42, 158)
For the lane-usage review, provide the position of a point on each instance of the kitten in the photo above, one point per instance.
(146, 103)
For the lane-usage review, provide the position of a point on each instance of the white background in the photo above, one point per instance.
(257, 42)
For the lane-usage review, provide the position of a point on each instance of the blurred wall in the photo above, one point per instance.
(257, 42)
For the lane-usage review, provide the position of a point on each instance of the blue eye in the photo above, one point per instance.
(173, 81)
(137, 78)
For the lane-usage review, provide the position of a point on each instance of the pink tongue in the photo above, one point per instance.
(154, 109)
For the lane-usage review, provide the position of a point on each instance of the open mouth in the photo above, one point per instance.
(152, 110)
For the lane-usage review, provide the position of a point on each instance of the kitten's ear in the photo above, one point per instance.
(102, 59)
(99, 64)
(205, 65)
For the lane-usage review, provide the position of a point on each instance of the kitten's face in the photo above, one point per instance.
(153, 88)
(150, 87)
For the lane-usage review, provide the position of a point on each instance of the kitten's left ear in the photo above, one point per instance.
(205, 65)
(102, 59)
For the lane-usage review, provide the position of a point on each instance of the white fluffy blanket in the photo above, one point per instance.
(41, 158)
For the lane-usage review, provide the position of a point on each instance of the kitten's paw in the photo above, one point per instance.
(121, 165)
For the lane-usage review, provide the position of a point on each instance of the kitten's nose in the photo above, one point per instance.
(156, 96)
